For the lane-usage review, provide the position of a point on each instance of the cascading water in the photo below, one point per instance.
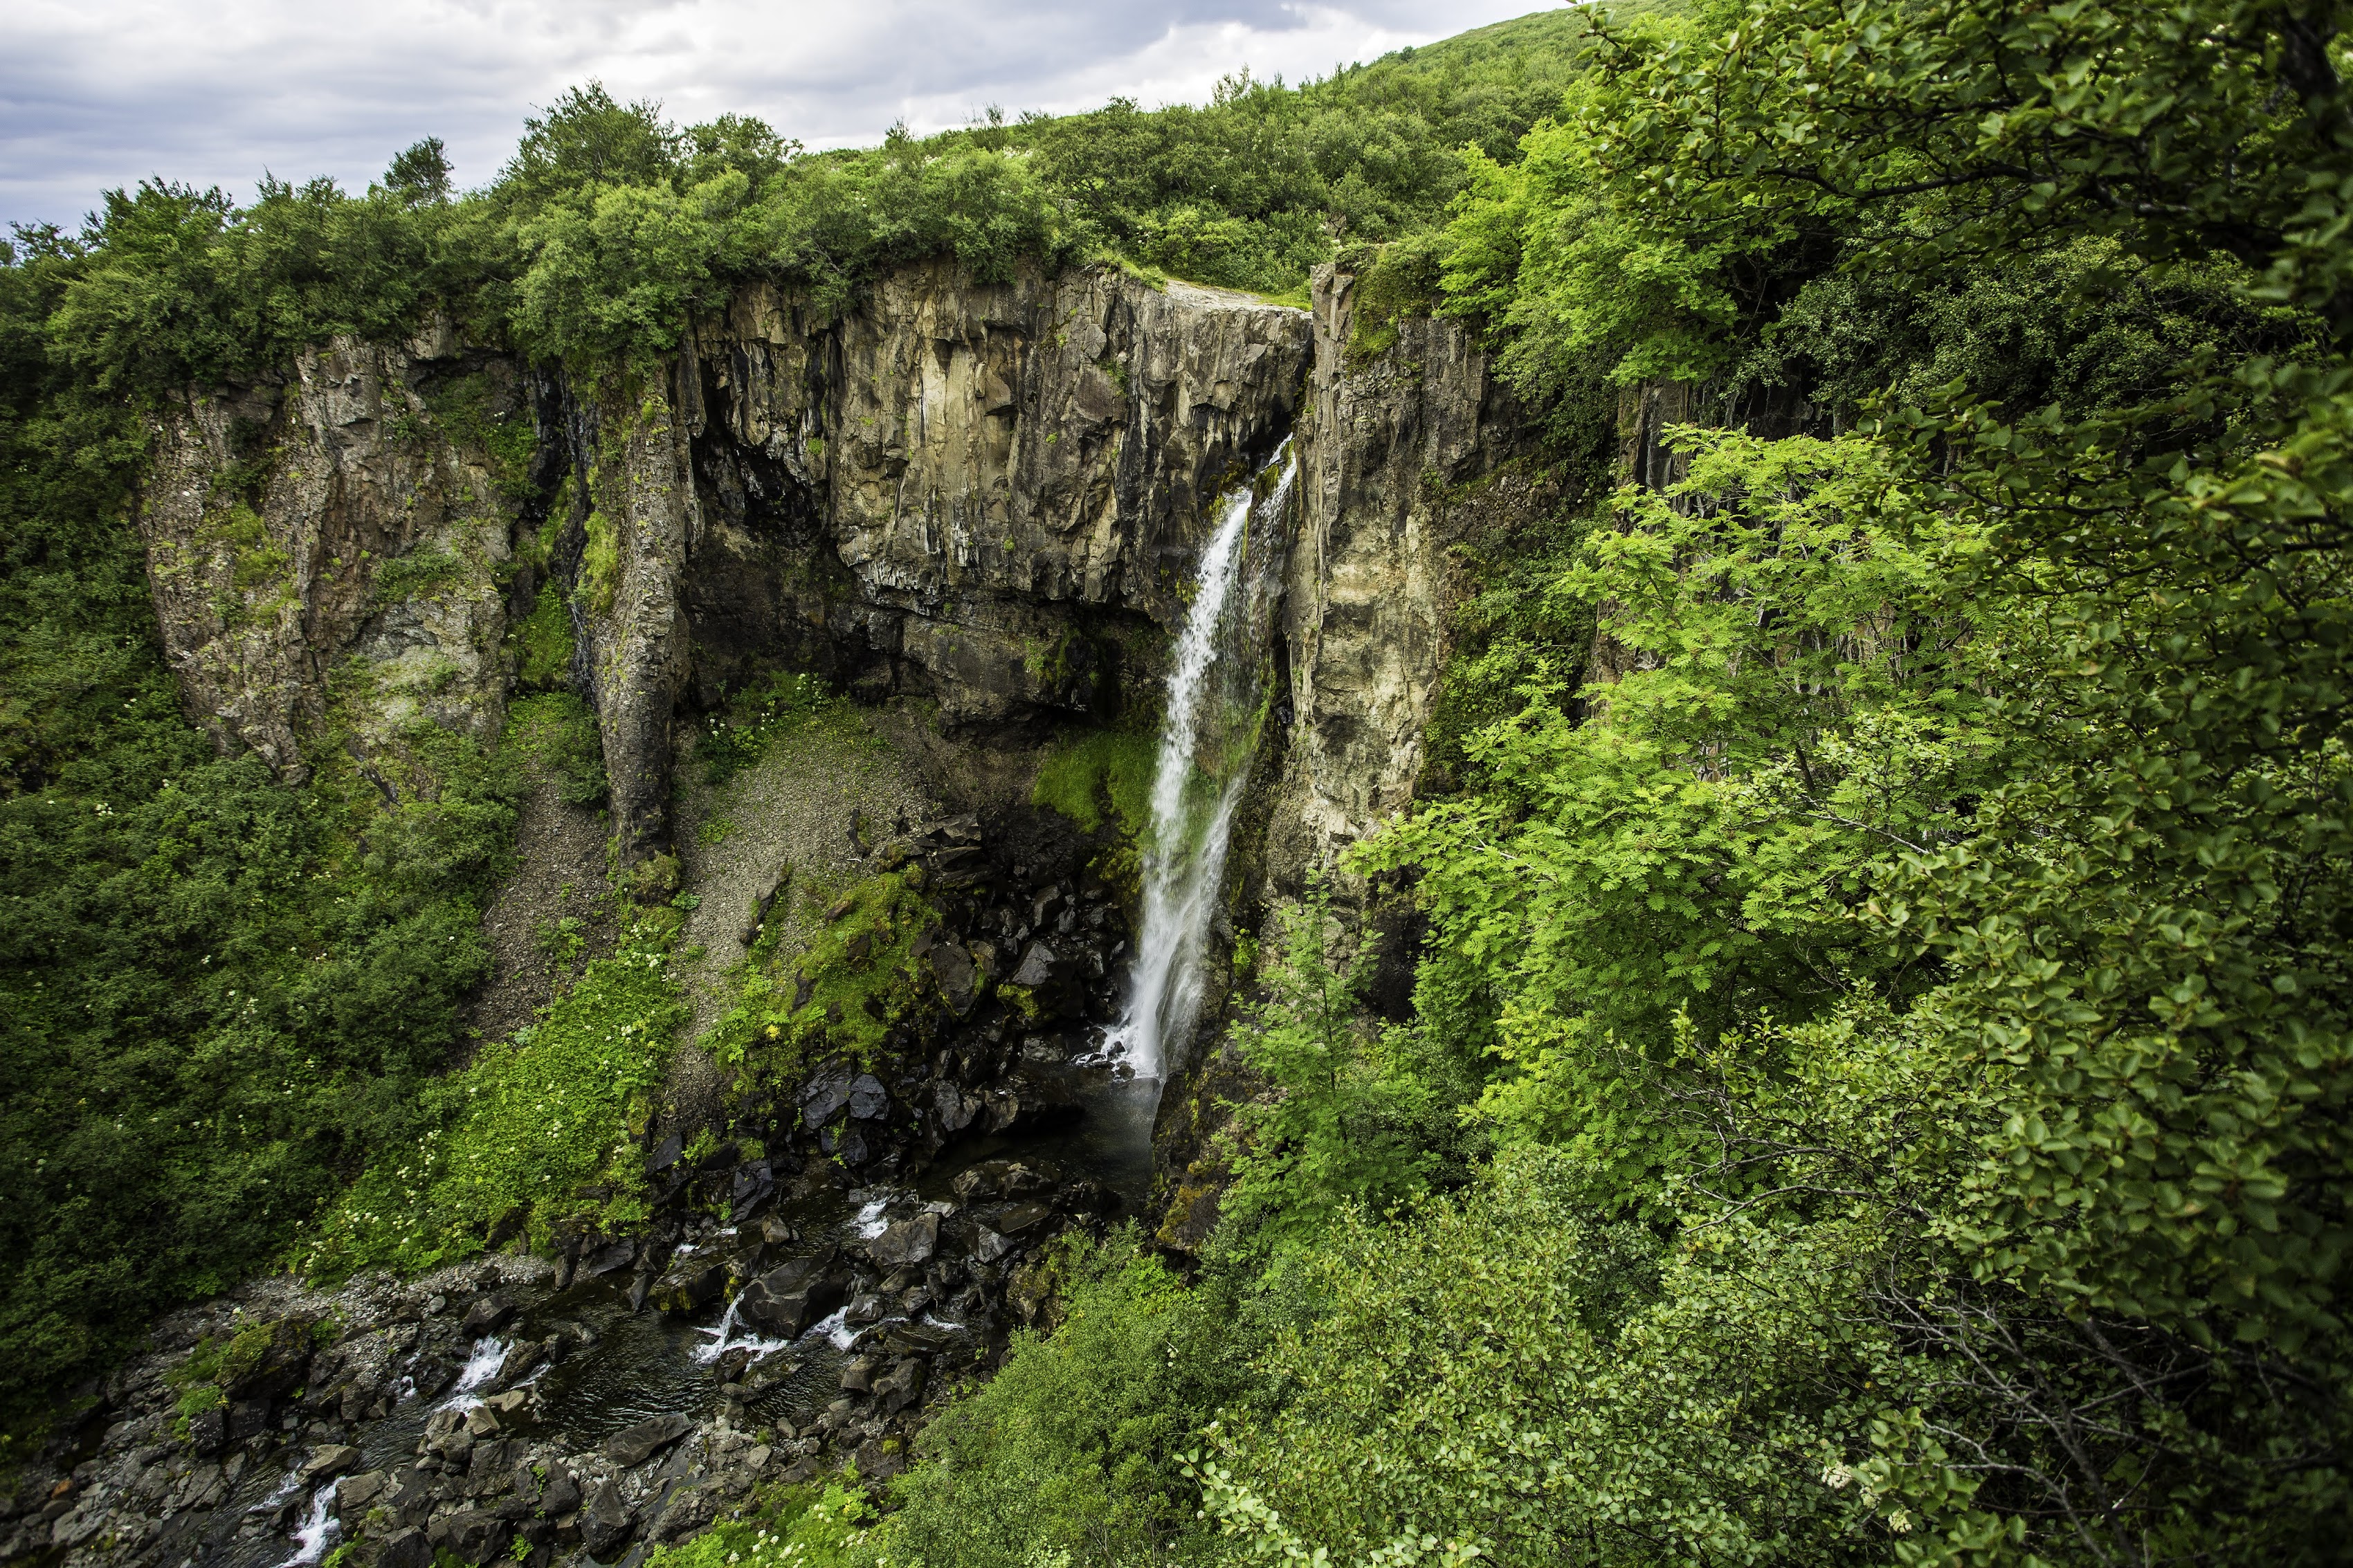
(1207, 739)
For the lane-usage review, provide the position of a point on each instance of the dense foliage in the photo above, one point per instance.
(1901, 959)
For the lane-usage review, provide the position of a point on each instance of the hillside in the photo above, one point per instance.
(1579, 798)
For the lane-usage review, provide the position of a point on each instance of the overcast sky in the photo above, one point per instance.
(96, 93)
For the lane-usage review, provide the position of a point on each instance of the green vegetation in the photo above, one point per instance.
(1075, 1451)
(1877, 1082)
(1097, 771)
(856, 978)
(784, 1527)
(537, 1131)
(783, 704)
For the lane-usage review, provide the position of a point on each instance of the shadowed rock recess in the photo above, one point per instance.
(976, 508)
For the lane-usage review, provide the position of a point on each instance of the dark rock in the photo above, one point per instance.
(909, 1242)
(405, 1549)
(267, 1368)
(954, 1108)
(562, 1493)
(1019, 1217)
(605, 1522)
(684, 1289)
(903, 1388)
(787, 1299)
(858, 1374)
(639, 1287)
(865, 1308)
(667, 1155)
(913, 1338)
(470, 1536)
(633, 1446)
(867, 1099)
(988, 1247)
(488, 1316)
(209, 1431)
(430, 1375)
(1039, 967)
(825, 1097)
(959, 978)
(247, 1419)
(729, 1366)
(609, 1259)
(876, 1462)
(689, 1509)
(1002, 1178)
(851, 1147)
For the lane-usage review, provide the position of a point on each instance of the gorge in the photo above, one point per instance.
(1577, 799)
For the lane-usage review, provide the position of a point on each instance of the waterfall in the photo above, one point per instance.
(1207, 736)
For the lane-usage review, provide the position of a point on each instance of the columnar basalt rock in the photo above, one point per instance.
(321, 537)
(1385, 435)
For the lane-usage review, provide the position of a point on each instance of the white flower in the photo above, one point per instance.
(1836, 1476)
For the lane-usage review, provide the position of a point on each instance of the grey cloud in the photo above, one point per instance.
(95, 93)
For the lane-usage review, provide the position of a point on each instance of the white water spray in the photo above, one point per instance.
(318, 1529)
(1212, 699)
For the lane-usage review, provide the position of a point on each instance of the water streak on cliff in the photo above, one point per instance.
(1207, 736)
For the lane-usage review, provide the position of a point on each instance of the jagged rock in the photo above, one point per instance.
(868, 1308)
(685, 1290)
(958, 979)
(825, 1096)
(471, 1535)
(609, 1259)
(486, 1315)
(1001, 1179)
(903, 1388)
(689, 1509)
(405, 1549)
(354, 1493)
(787, 1300)
(867, 1099)
(910, 1241)
(1039, 966)
(561, 1495)
(634, 1446)
(328, 1461)
(858, 1374)
(605, 1521)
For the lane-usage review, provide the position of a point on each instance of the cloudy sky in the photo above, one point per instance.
(96, 93)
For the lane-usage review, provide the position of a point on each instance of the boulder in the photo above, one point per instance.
(785, 1300)
(910, 1242)
(903, 1388)
(825, 1096)
(266, 1363)
(858, 1374)
(471, 1535)
(329, 1460)
(488, 1316)
(605, 1522)
(562, 1493)
(869, 1101)
(1039, 967)
(689, 1287)
(1017, 1217)
(959, 978)
(405, 1549)
(609, 1259)
(209, 1431)
(634, 1446)
(354, 1493)
(1001, 1179)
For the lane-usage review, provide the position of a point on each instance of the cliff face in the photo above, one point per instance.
(323, 547)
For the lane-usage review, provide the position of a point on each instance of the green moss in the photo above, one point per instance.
(861, 980)
(414, 575)
(784, 1527)
(1100, 770)
(465, 407)
(600, 563)
(1393, 282)
(544, 644)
